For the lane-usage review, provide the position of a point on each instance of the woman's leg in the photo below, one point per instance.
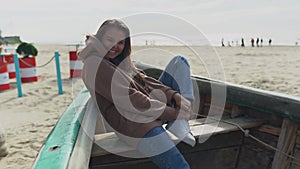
(159, 147)
(177, 75)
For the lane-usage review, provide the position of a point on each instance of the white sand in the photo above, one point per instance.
(28, 120)
(269, 68)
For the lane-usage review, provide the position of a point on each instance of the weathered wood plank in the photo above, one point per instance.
(296, 164)
(276, 131)
(198, 128)
(223, 127)
(115, 145)
(270, 129)
(218, 152)
(286, 142)
(111, 142)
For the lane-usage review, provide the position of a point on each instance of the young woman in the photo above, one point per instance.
(133, 104)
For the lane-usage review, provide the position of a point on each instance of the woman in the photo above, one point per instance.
(133, 104)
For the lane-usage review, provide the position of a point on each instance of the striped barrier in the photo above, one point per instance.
(10, 66)
(25, 71)
(4, 79)
(75, 65)
(28, 70)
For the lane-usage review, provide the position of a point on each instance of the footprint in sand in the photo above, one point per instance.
(3, 151)
(3, 148)
(26, 141)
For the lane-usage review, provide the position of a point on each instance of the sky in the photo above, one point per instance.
(68, 21)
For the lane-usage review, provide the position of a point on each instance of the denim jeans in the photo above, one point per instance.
(156, 144)
(177, 75)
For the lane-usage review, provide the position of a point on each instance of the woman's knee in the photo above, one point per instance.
(180, 59)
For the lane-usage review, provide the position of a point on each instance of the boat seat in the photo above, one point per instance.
(200, 128)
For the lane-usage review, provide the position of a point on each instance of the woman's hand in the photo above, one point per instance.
(184, 115)
(184, 106)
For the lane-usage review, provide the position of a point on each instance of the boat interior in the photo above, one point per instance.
(256, 129)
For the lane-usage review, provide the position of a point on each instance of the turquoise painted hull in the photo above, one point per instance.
(59, 146)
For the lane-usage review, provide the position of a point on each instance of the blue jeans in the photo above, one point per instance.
(156, 144)
(177, 75)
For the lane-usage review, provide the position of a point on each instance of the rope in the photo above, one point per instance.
(247, 134)
(40, 66)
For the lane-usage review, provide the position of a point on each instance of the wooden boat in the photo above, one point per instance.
(258, 129)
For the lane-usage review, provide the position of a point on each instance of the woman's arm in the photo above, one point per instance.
(156, 84)
(173, 97)
(183, 103)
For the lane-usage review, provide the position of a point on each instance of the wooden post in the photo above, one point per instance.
(286, 142)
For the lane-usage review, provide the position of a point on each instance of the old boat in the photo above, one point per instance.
(258, 129)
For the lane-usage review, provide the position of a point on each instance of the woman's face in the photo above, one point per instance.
(114, 42)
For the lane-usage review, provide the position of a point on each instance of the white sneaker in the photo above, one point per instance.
(181, 129)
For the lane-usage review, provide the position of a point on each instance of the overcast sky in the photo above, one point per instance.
(67, 21)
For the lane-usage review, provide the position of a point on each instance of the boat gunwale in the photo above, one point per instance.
(59, 145)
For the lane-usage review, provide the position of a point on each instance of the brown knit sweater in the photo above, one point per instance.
(129, 107)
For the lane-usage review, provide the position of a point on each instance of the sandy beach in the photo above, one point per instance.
(28, 120)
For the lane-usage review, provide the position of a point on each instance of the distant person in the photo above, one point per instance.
(229, 44)
(261, 42)
(243, 43)
(252, 42)
(270, 42)
(257, 42)
(222, 41)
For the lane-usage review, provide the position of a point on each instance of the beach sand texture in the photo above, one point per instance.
(28, 120)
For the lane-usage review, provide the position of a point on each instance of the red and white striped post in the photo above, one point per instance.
(28, 70)
(9, 58)
(76, 63)
(4, 79)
